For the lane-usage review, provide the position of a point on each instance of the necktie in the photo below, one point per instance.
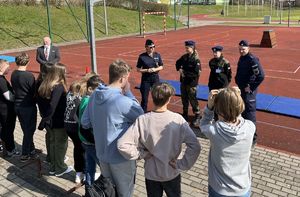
(46, 53)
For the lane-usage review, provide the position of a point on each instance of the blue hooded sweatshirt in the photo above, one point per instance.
(110, 113)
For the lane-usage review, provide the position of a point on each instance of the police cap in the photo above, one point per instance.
(190, 43)
(217, 48)
(149, 43)
(244, 43)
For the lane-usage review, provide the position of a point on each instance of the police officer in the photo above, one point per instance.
(189, 67)
(149, 64)
(220, 71)
(249, 76)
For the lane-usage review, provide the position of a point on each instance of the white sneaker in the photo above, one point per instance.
(69, 169)
(79, 177)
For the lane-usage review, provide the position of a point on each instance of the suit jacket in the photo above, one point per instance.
(54, 55)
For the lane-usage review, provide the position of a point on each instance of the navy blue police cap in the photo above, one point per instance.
(149, 43)
(217, 48)
(244, 43)
(189, 43)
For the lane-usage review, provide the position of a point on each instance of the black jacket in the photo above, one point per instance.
(191, 67)
(220, 73)
(249, 72)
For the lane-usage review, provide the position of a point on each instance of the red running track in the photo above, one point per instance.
(281, 65)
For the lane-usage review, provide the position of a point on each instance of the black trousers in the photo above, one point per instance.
(145, 88)
(172, 188)
(78, 152)
(250, 108)
(27, 117)
(7, 126)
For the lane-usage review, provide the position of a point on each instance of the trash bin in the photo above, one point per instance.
(267, 19)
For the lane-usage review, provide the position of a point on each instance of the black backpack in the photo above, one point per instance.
(102, 187)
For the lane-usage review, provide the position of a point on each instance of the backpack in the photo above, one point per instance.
(102, 187)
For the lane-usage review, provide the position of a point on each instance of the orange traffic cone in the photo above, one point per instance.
(87, 69)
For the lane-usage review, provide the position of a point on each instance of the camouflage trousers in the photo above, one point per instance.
(188, 95)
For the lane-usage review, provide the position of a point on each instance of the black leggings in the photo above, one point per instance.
(7, 126)
(78, 152)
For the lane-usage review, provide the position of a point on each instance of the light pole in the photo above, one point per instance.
(49, 19)
(175, 20)
(188, 22)
(289, 13)
(139, 8)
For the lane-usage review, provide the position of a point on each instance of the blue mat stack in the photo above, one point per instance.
(8, 58)
(265, 102)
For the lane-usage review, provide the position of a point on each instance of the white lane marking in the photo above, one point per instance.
(297, 69)
(280, 126)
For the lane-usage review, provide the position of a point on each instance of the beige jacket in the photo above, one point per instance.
(158, 137)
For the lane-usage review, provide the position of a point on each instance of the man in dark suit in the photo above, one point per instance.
(47, 54)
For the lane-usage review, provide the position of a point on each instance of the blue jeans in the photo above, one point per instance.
(213, 193)
(90, 163)
(156, 188)
(122, 175)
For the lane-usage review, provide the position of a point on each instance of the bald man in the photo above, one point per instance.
(47, 53)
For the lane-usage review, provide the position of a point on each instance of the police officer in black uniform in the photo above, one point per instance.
(189, 67)
(149, 64)
(220, 71)
(249, 76)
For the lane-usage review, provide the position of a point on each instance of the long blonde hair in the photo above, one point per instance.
(55, 76)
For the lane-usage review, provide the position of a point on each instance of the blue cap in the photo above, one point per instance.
(149, 43)
(189, 43)
(244, 43)
(217, 48)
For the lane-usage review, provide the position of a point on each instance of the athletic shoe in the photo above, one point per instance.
(25, 158)
(51, 172)
(36, 151)
(13, 153)
(69, 169)
(79, 177)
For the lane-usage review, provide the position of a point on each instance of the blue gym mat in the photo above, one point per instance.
(265, 102)
(285, 106)
(8, 58)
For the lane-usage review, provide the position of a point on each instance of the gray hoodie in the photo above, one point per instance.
(229, 171)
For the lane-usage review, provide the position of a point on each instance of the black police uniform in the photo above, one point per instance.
(191, 67)
(249, 74)
(220, 73)
(148, 79)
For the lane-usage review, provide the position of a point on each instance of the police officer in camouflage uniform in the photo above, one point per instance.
(220, 71)
(249, 76)
(189, 67)
(149, 64)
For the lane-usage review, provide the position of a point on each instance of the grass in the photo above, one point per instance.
(238, 12)
(196, 9)
(24, 26)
